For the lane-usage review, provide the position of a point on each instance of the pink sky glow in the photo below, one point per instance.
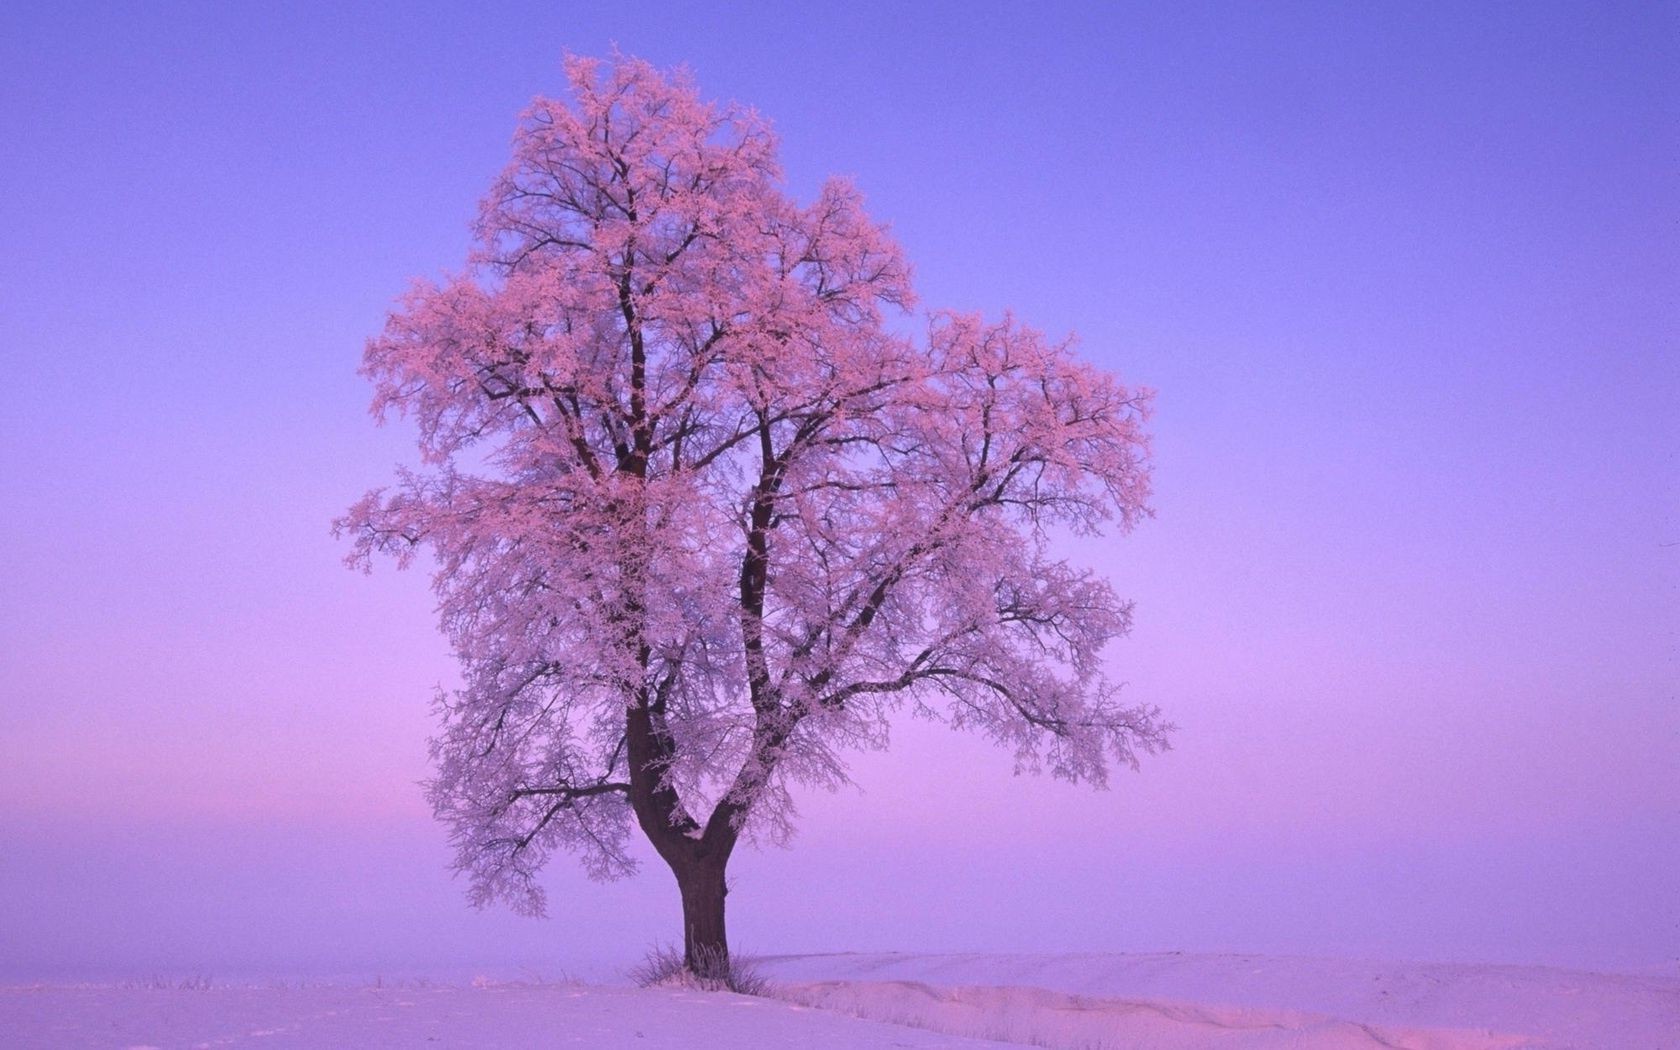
(1402, 279)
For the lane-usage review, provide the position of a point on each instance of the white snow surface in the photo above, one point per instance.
(1060, 1002)
(503, 1017)
(1172, 1000)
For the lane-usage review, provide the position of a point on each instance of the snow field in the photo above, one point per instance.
(1058, 1021)
(492, 1017)
(1168, 1000)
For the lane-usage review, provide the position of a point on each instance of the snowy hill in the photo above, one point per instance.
(922, 1002)
(495, 1017)
(1191, 1001)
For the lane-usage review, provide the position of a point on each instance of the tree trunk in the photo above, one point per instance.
(705, 944)
(697, 856)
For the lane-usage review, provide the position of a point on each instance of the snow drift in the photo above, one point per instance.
(1056, 1020)
(1172, 1000)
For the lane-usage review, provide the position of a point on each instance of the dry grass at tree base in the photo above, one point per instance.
(666, 967)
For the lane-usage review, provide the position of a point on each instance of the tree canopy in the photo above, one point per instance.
(703, 520)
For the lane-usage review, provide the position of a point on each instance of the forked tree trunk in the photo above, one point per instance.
(696, 856)
(705, 943)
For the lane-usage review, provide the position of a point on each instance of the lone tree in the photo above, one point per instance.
(703, 522)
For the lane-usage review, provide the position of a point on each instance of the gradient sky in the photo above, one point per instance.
(1403, 274)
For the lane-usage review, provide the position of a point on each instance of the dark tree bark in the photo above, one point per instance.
(697, 856)
(705, 938)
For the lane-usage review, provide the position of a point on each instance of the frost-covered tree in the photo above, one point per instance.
(702, 522)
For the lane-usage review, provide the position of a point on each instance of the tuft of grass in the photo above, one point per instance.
(664, 966)
(159, 983)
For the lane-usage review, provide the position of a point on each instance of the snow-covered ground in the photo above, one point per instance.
(830, 1002)
(1249, 1001)
(495, 1017)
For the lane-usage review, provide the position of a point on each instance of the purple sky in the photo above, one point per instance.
(1404, 276)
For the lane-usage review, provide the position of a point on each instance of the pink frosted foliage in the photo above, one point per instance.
(702, 521)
